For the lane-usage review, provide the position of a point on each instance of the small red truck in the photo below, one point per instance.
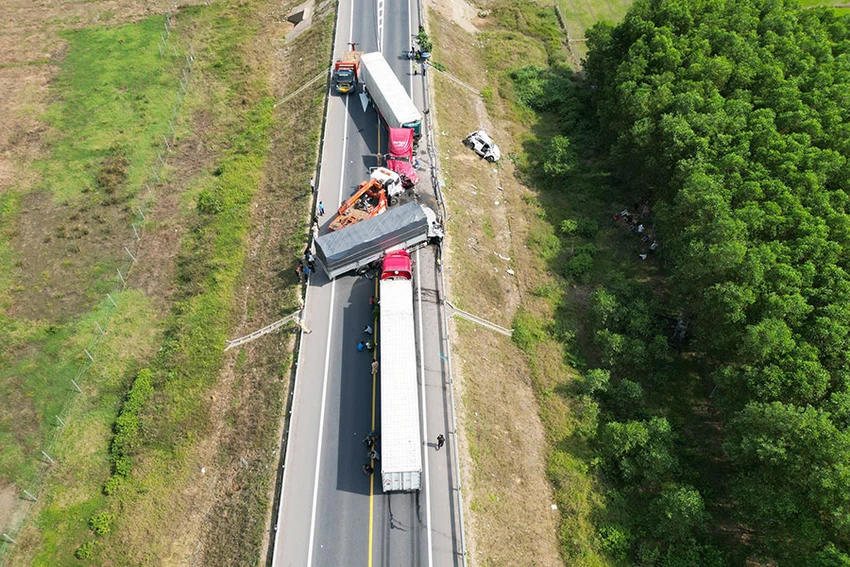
(400, 155)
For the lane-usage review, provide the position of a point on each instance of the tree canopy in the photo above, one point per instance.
(733, 118)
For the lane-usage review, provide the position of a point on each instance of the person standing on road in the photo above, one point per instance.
(440, 441)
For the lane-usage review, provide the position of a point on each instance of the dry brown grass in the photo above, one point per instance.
(510, 520)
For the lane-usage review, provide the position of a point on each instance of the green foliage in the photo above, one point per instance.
(728, 116)
(587, 227)
(638, 452)
(101, 524)
(677, 512)
(596, 380)
(528, 330)
(569, 227)
(86, 550)
(127, 434)
(425, 43)
(560, 157)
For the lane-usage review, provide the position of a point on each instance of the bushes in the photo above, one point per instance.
(127, 430)
(101, 524)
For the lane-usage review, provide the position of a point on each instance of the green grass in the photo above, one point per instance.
(113, 94)
(116, 95)
(579, 15)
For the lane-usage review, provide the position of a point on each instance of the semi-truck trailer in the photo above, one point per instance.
(401, 439)
(357, 247)
(394, 105)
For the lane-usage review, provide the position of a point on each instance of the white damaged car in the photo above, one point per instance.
(482, 145)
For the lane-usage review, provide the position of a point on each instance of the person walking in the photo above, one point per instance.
(360, 346)
(321, 209)
(368, 470)
(374, 367)
(313, 185)
(299, 270)
(440, 441)
(367, 329)
(373, 454)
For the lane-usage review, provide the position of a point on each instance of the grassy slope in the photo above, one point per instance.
(39, 357)
(549, 315)
(134, 113)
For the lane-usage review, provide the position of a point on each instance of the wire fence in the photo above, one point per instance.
(33, 488)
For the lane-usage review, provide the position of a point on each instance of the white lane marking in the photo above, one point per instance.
(422, 356)
(330, 334)
(381, 25)
(424, 416)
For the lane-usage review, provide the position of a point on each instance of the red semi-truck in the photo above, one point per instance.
(400, 155)
(401, 436)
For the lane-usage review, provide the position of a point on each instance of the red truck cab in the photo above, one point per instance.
(396, 265)
(400, 155)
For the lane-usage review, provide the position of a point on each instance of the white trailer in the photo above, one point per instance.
(388, 95)
(401, 439)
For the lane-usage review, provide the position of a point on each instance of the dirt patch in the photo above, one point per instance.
(8, 501)
(58, 247)
(460, 12)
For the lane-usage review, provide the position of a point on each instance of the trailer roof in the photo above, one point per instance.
(401, 439)
(370, 234)
(392, 89)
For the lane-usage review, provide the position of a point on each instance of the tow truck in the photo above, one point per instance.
(371, 198)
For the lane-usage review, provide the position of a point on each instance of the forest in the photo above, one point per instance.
(725, 123)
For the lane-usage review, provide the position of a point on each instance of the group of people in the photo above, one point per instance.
(306, 266)
(636, 226)
(371, 442)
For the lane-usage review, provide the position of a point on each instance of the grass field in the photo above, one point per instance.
(524, 432)
(62, 238)
(61, 242)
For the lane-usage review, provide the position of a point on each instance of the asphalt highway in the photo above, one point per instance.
(331, 513)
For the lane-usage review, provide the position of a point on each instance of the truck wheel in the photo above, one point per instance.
(393, 201)
(490, 158)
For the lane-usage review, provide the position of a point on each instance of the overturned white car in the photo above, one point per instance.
(482, 145)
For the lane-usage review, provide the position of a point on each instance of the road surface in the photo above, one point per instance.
(331, 513)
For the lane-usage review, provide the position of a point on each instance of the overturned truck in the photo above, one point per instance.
(361, 246)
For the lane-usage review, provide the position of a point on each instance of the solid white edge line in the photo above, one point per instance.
(424, 417)
(312, 537)
(295, 397)
(422, 354)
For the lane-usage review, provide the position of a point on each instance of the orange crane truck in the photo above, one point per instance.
(371, 198)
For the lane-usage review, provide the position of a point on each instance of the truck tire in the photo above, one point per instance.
(394, 200)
